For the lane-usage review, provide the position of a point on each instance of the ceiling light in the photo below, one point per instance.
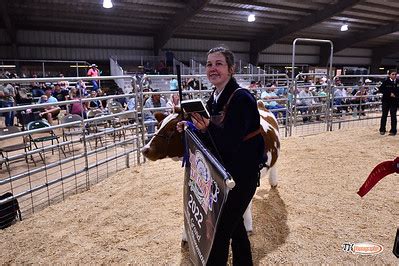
(344, 27)
(78, 66)
(107, 4)
(7, 66)
(251, 17)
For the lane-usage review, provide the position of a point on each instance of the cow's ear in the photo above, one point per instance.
(176, 109)
(159, 116)
(261, 105)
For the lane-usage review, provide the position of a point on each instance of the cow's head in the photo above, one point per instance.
(167, 141)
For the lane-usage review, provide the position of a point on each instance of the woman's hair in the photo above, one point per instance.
(392, 71)
(228, 55)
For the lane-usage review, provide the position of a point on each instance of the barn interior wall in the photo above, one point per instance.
(46, 45)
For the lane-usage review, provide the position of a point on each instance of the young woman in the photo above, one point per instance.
(234, 117)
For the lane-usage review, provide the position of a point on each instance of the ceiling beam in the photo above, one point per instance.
(273, 6)
(352, 39)
(269, 38)
(164, 34)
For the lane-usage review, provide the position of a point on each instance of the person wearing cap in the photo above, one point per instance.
(94, 72)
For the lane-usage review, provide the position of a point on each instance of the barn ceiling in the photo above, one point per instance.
(372, 23)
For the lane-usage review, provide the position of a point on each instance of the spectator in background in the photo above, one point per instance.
(7, 99)
(50, 112)
(361, 99)
(193, 84)
(305, 103)
(390, 101)
(42, 99)
(59, 93)
(146, 81)
(338, 99)
(36, 88)
(94, 72)
(252, 87)
(95, 103)
(64, 84)
(173, 84)
(155, 101)
(78, 108)
(174, 101)
(269, 97)
(161, 68)
(81, 87)
(131, 104)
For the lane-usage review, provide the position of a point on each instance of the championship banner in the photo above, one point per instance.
(204, 195)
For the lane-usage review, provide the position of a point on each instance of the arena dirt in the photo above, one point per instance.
(136, 216)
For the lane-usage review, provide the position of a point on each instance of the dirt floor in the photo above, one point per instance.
(136, 216)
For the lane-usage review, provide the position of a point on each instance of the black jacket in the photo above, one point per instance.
(240, 158)
(387, 87)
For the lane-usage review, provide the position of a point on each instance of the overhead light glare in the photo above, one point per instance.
(251, 17)
(344, 27)
(381, 68)
(78, 66)
(107, 4)
(7, 66)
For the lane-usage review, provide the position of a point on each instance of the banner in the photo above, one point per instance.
(205, 193)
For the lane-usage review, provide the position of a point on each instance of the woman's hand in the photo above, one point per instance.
(200, 122)
(180, 126)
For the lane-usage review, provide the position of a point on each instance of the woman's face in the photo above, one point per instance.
(217, 70)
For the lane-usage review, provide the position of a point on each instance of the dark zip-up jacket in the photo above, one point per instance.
(387, 87)
(239, 157)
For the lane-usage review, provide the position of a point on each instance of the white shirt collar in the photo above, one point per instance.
(216, 95)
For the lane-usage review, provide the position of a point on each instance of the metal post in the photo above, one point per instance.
(329, 73)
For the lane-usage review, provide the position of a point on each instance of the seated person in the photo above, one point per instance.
(154, 101)
(269, 97)
(174, 101)
(305, 103)
(60, 94)
(81, 87)
(95, 104)
(36, 88)
(49, 112)
(78, 108)
(64, 84)
(360, 99)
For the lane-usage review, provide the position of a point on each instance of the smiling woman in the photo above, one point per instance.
(232, 134)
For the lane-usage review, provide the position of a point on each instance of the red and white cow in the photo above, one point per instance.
(167, 142)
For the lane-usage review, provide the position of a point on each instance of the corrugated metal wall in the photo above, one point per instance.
(4, 37)
(87, 46)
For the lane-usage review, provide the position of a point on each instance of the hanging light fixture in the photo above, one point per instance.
(344, 27)
(107, 4)
(251, 17)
